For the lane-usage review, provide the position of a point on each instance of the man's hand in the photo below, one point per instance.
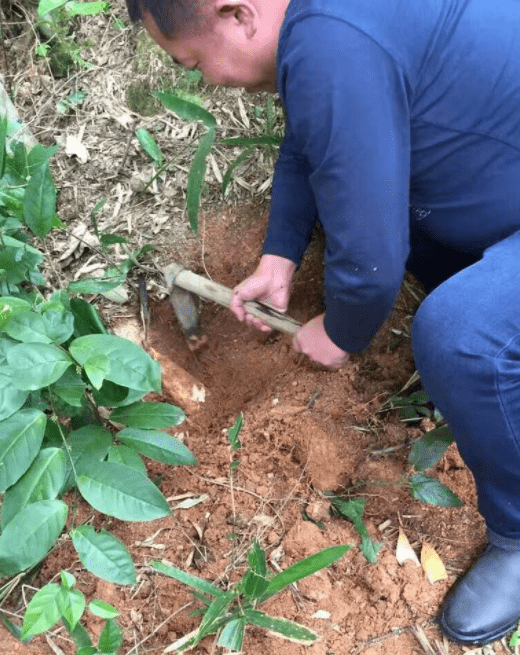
(313, 341)
(269, 284)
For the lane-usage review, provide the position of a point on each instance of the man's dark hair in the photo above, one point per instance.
(172, 17)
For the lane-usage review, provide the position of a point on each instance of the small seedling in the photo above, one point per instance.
(353, 510)
(55, 602)
(228, 613)
(426, 453)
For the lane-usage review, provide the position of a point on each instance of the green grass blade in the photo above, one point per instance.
(265, 140)
(187, 110)
(196, 177)
(149, 145)
(303, 569)
(233, 166)
(187, 578)
(232, 635)
(282, 627)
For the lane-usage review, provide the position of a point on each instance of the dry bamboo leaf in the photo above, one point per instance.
(404, 552)
(74, 147)
(432, 564)
(243, 113)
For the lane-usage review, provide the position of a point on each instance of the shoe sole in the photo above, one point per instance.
(477, 641)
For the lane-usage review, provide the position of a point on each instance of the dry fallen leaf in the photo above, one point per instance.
(432, 564)
(404, 552)
(73, 146)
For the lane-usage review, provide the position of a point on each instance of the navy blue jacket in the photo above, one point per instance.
(392, 103)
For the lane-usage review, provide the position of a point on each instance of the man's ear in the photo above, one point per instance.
(243, 12)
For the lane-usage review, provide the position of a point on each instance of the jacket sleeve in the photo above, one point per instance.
(346, 158)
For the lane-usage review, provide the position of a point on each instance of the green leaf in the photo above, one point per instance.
(67, 579)
(215, 614)
(427, 452)
(111, 638)
(3, 143)
(72, 605)
(42, 612)
(353, 510)
(130, 365)
(28, 327)
(109, 281)
(21, 436)
(256, 559)
(70, 388)
(88, 650)
(187, 578)
(86, 8)
(110, 239)
(59, 325)
(10, 307)
(42, 481)
(36, 365)
(50, 327)
(119, 491)
(234, 441)
(31, 533)
(46, 6)
(264, 140)
(72, 101)
(40, 201)
(254, 585)
(187, 110)
(304, 568)
(97, 368)
(11, 398)
(158, 446)
(232, 635)
(113, 395)
(86, 318)
(196, 177)
(419, 398)
(128, 457)
(104, 555)
(233, 166)
(149, 415)
(80, 636)
(429, 490)
(282, 627)
(87, 445)
(102, 609)
(149, 145)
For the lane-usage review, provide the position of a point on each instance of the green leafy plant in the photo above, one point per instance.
(414, 407)
(71, 410)
(426, 451)
(55, 602)
(228, 613)
(424, 454)
(54, 23)
(193, 112)
(353, 510)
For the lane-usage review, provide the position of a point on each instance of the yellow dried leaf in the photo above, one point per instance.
(432, 564)
(404, 552)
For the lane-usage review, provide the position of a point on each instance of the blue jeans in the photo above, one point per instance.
(466, 342)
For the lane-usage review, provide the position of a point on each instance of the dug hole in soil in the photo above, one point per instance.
(306, 430)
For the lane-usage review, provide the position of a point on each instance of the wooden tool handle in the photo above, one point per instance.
(176, 275)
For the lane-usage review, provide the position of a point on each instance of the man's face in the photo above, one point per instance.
(239, 50)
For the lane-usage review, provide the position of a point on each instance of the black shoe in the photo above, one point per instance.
(485, 604)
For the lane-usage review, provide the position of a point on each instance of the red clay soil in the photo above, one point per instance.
(306, 430)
